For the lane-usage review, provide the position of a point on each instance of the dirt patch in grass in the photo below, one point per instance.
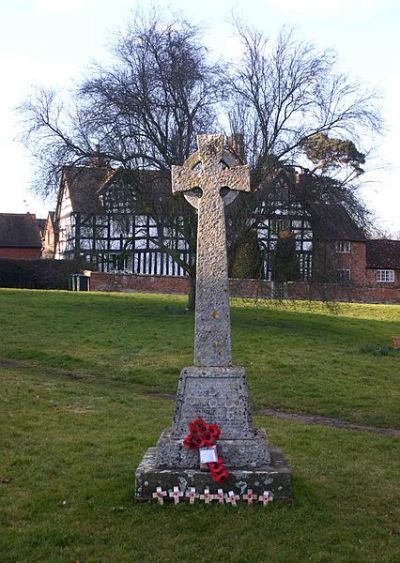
(327, 421)
(268, 411)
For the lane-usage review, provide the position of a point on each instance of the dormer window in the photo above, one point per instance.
(343, 246)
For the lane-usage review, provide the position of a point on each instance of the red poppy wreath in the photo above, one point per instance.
(203, 435)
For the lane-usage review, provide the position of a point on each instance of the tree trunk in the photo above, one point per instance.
(192, 294)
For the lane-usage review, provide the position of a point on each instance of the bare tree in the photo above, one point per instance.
(287, 92)
(146, 107)
(295, 110)
(144, 111)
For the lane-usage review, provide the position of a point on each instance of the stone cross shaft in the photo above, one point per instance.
(208, 171)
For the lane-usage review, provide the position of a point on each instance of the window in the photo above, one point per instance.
(118, 262)
(343, 276)
(343, 246)
(385, 276)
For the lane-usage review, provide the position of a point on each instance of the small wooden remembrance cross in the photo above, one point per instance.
(207, 496)
(176, 494)
(250, 497)
(159, 494)
(219, 496)
(266, 498)
(208, 170)
(191, 495)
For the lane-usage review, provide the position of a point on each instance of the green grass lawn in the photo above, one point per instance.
(84, 379)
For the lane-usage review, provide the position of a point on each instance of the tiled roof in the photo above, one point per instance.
(87, 183)
(332, 223)
(83, 183)
(19, 231)
(383, 253)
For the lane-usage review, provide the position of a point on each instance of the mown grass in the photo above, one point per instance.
(79, 407)
(300, 358)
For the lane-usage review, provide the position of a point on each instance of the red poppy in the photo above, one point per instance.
(208, 438)
(215, 465)
(188, 443)
(197, 425)
(198, 441)
(214, 431)
(219, 476)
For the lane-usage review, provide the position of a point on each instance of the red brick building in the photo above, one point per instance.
(383, 263)
(20, 236)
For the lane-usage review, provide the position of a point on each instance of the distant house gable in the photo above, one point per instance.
(95, 190)
(82, 185)
(19, 231)
(20, 236)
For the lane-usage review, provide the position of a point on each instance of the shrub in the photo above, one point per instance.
(40, 274)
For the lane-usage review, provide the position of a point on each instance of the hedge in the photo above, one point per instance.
(40, 274)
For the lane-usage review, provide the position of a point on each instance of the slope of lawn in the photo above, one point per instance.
(299, 357)
(85, 383)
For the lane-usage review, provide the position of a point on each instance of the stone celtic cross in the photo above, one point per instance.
(210, 169)
(213, 389)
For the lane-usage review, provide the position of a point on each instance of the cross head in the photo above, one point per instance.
(212, 176)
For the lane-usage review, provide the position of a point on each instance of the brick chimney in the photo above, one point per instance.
(97, 158)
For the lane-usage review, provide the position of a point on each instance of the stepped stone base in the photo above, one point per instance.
(250, 452)
(219, 395)
(274, 476)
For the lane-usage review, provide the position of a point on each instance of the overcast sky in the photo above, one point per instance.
(52, 42)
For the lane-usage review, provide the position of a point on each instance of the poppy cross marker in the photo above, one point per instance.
(219, 496)
(266, 497)
(176, 494)
(250, 496)
(231, 498)
(159, 494)
(191, 495)
(207, 497)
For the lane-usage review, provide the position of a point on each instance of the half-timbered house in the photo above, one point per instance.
(127, 221)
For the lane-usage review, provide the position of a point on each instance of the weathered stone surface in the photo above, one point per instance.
(274, 477)
(212, 322)
(241, 453)
(218, 395)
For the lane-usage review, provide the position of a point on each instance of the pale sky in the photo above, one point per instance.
(52, 42)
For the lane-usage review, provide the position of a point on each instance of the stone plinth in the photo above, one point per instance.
(220, 395)
(274, 477)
